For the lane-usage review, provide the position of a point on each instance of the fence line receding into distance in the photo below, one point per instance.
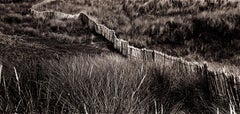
(222, 85)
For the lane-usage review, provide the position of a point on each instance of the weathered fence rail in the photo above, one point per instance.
(222, 85)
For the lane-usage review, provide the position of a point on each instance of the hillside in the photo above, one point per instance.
(191, 29)
(64, 64)
(21, 35)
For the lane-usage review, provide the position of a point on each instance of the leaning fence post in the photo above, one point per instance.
(153, 55)
(205, 69)
(143, 51)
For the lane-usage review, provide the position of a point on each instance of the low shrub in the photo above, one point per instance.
(13, 18)
(31, 31)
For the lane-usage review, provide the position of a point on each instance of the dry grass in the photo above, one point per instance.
(101, 84)
(194, 30)
(112, 84)
(180, 28)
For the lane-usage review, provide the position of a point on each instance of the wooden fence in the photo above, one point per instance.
(223, 85)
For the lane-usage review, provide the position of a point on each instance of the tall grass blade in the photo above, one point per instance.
(17, 78)
(232, 108)
(1, 72)
(85, 108)
(161, 108)
(138, 86)
(155, 104)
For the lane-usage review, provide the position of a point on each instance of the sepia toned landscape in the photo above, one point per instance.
(129, 56)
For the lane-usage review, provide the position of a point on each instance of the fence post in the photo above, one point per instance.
(143, 51)
(129, 52)
(154, 56)
(205, 68)
(126, 48)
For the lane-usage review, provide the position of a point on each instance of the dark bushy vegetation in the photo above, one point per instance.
(16, 1)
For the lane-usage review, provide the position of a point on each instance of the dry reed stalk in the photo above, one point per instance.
(1, 66)
(5, 87)
(59, 97)
(17, 78)
(138, 87)
(155, 104)
(90, 72)
(85, 109)
(161, 108)
(134, 92)
(16, 109)
(48, 97)
(232, 108)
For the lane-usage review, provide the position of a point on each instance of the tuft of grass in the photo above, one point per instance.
(101, 84)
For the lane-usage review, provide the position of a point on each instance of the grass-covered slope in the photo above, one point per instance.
(101, 84)
(193, 29)
(42, 72)
(22, 35)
